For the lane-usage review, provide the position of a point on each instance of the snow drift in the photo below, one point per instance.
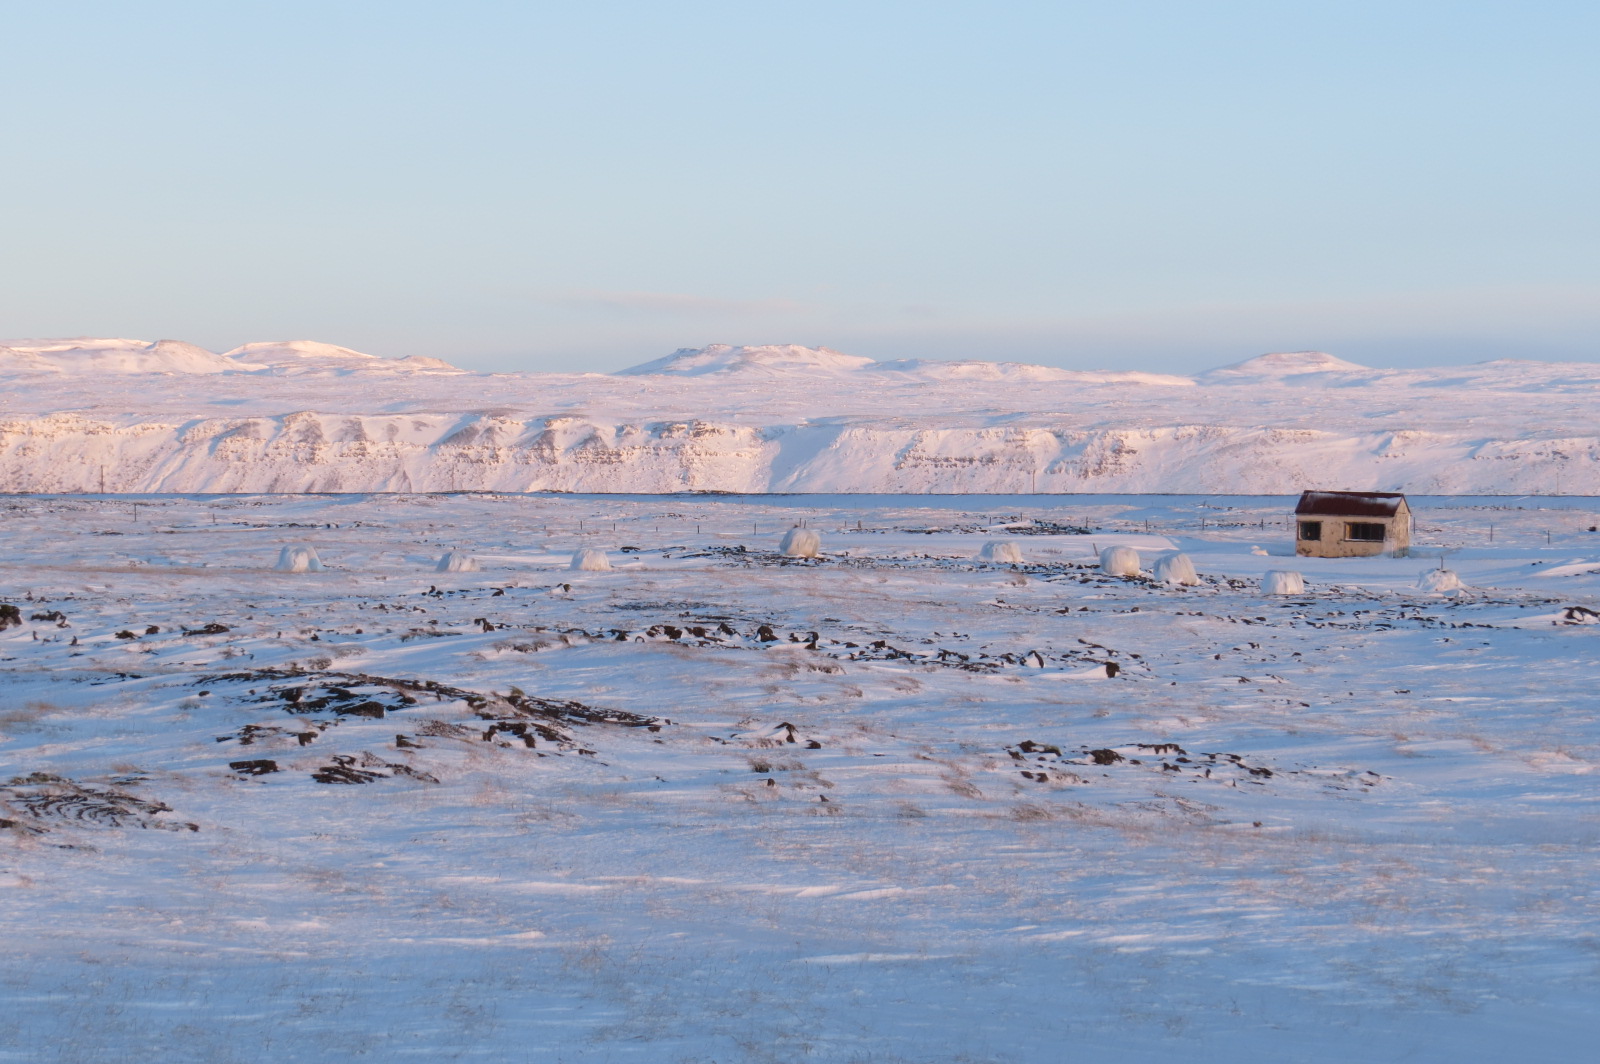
(1001, 551)
(800, 543)
(589, 560)
(1282, 582)
(1119, 561)
(1177, 568)
(299, 558)
(1438, 581)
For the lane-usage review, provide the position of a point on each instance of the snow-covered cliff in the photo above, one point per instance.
(131, 416)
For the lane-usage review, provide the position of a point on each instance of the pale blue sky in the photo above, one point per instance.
(1168, 185)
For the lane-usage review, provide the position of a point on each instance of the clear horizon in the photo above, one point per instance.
(1160, 186)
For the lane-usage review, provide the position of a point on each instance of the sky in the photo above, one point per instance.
(1156, 184)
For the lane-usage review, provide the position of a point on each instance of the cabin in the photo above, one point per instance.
(1351, 524)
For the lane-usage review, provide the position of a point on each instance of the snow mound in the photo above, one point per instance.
(1176, 568)
(299, 558)
(1001, 551)
(1119, 561)
(769, 359)
(1283, 365)
(1282, 582)
(800, 543)
(99, 357)
(298, 357)
(456, 562)
(1438, 581)
(589, 560)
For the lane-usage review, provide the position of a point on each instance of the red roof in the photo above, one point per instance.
(1351, 503)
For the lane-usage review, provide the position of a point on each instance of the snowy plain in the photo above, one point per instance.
(890, 805)
(134, 416)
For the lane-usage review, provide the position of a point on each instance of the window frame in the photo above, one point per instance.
(1350, 535)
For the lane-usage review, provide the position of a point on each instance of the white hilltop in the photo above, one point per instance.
(926, 369)
(295, 357)
(96, 357)
(768, 359)
(1281, 365)
(797, 360)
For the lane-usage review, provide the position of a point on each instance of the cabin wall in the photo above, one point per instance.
(1334, 542)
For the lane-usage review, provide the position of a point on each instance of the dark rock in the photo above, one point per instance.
(257, 767)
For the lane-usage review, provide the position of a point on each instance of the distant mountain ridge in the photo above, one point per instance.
(115, 356)
(795, 360)
(92, 356)
(284, 416)
(767, 359)
(1285, 364)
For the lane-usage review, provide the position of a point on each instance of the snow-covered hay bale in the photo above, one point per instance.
(590, 560)
(1119, 561)
(1176, 568)
(299, 558)
(1282, 582)
(800, 543)
(1001, 552)
(1439, 580)
(456, 562)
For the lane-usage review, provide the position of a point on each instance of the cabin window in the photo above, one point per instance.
(1365, 532)
(1310, 529)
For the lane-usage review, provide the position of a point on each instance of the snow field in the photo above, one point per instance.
(1355, 822)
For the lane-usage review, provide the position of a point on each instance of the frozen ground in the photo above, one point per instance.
(529, 814)
(129, 416)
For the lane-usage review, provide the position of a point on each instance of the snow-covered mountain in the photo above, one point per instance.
(1284, 366)
(85, 357)
(302, 416)
(792, 360)
(89, 357)
(306, 356)
(769, 360)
